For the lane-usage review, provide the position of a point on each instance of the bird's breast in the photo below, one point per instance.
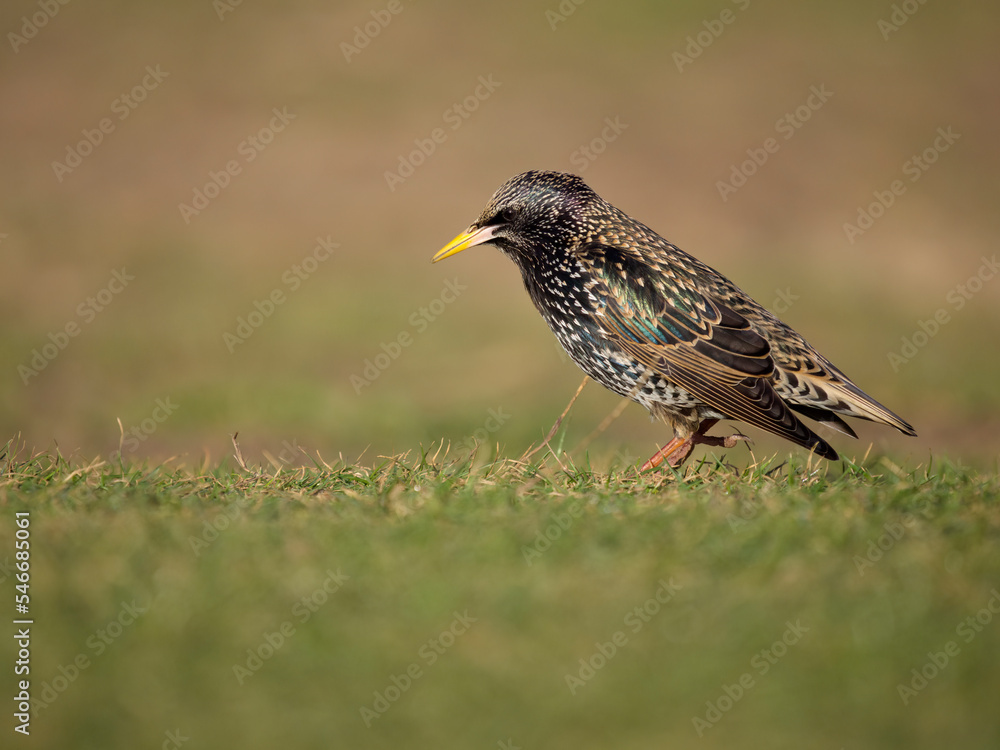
(571, 305)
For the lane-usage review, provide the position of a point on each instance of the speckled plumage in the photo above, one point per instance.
(657, 326)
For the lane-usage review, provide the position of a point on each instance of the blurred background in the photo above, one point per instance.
(219, 217)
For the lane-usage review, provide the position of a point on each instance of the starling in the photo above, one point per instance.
(657, 326)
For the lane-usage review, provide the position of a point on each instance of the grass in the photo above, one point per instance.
(447, 602)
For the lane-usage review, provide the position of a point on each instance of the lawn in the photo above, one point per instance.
(436, 600)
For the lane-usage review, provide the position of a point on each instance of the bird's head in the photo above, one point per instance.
(532, 213)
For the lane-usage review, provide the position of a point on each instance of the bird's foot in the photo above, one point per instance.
(676, 452)
(729, 441)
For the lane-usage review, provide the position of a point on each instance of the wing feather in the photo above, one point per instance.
(695, 342)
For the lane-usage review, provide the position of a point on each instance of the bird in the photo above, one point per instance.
(656, 325)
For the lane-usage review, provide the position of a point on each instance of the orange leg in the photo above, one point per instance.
(676, 452)
(671, 448)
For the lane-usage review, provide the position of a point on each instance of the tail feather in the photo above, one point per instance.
(873, 411)
(826, 417)
(845, 398)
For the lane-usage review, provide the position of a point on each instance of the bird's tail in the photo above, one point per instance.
(845, 398)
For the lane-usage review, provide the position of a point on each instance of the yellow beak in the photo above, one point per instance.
(469, 238)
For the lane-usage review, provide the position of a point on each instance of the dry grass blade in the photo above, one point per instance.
(605, 424)
(555, 428)
(239, 454)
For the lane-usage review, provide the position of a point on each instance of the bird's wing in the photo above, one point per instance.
(807, 380)
(659, 318)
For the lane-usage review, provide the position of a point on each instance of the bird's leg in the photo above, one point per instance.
(684, 445)
(677, 450)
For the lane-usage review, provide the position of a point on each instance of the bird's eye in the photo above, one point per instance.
(510, 214)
